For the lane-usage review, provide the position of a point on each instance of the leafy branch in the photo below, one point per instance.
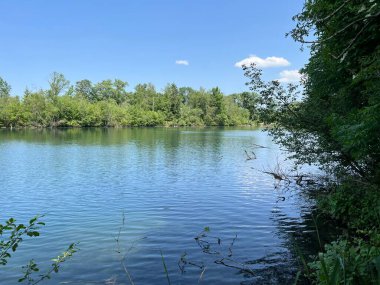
(13, 234)
(32, 267)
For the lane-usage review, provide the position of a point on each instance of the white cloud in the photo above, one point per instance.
(182, 62)
(288, 76)
(271, 61)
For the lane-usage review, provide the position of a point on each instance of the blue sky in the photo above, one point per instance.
(140, 41)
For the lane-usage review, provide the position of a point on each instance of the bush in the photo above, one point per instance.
(353, 204)
(345, 262)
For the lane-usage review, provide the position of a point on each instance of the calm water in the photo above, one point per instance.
(159, 188)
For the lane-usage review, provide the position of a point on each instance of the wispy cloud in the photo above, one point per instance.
(182, 62)
(271, 61)
(289, 76)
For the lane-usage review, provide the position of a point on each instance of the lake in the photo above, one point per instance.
(139, 197)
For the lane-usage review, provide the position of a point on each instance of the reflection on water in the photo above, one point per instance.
(168, 184)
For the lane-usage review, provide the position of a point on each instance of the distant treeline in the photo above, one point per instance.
(109, 104)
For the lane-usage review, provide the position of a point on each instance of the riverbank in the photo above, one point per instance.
(253, 124)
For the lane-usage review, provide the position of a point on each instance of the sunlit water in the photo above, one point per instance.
(154, 190)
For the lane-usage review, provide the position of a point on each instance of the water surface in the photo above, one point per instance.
(153, 190)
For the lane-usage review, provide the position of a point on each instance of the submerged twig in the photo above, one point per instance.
(259, 146)
(127, 272)
(250, 157)
(201, 276)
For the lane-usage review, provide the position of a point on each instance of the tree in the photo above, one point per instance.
(236, 114)
(337, 124)
(217, 103)
(334, 122)
(247, 100)
(8, 105)
(57, 84)
(172, 101)
(84, 89)
(5, 89)
(103, 90)
(120, 94)
(185, 93)
(217, 100)
(10, 112)
(107, 103)
(108, 90)
(199, 100)
(145, 97)
(38, 110)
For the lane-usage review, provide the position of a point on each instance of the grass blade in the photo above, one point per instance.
(165, 268)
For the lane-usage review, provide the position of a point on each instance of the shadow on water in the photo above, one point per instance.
(80, 136)
(144, 137)
(303, 237)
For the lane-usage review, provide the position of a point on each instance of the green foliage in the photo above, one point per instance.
(353, 204)
(5, 89)
(334, 122)
(108, 90)
(145, 97)
(31, 268)
(37, 109)
(137, 117)
(236, 115)
(337, 123)
(217, 101)
(108, 104)
(10, 112)
(249, 101)
(13, 234)
(190, 117)
(58, 84)
(84, 89)
(345, 262)
(171, 102)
